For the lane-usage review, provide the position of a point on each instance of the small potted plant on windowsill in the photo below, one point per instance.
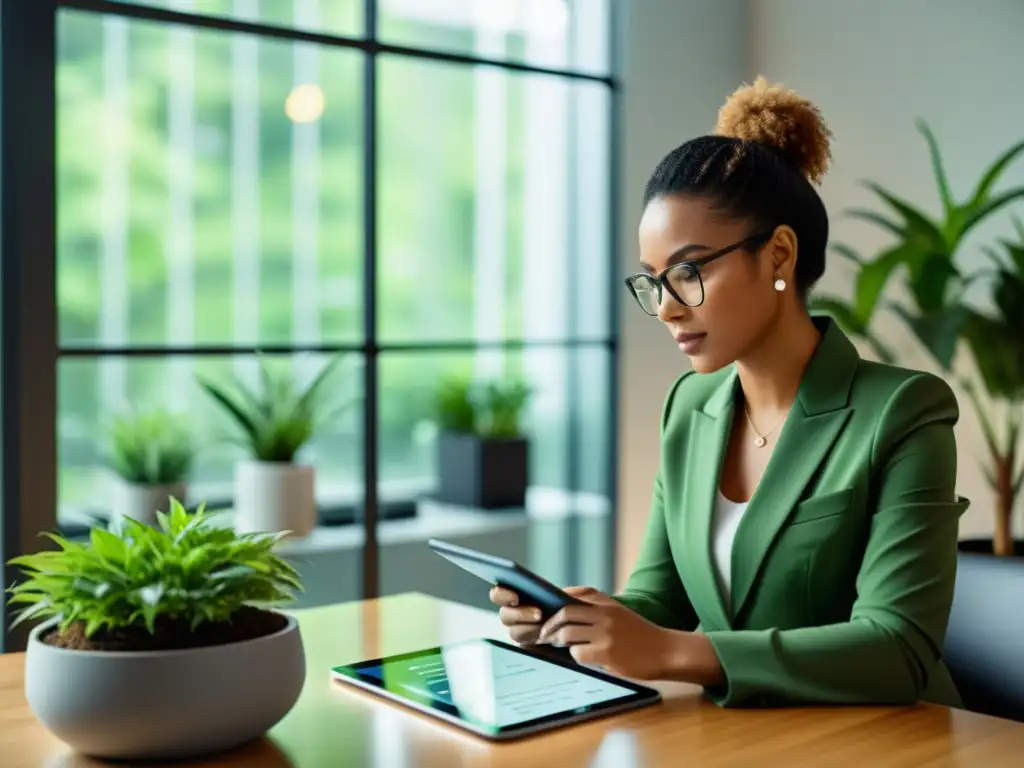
(482, 452)
(160, 643)
(273, 490)
(151, 456)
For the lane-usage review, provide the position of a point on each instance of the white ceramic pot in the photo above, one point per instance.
(164, 704)
(274, 497)
(141, 502)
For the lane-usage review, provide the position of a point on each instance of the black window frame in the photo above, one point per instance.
(30, 348)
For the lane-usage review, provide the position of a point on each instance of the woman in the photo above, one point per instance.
(801, 544)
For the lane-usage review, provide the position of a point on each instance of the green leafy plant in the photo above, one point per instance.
(996, 341)
(490, 409)
(926, 250)
(503, 407)
(151, 448)
(276, 422)
(185, 569)
(455, 406)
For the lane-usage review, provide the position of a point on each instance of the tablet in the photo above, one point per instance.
(494, 689)
(531, 588)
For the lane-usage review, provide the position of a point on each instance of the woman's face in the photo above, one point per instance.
(740, 300)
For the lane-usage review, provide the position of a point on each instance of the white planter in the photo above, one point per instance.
(271, 497)
(141, 502)
(164, 704)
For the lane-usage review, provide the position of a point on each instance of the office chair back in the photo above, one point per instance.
(984, 647)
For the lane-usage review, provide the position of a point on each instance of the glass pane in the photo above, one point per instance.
(93, 391)
(335, 17)
(556, 420)
(593, 537)
(558, 34)
(493, 212)
(208, 187)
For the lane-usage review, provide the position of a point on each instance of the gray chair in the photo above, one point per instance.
(984, 646)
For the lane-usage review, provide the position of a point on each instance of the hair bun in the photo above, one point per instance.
(781, 118)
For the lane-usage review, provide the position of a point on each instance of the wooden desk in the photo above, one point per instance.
(334, 726)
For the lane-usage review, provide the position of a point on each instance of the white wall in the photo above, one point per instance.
(680, 60)
(874, 66)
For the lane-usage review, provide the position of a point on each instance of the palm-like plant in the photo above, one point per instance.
(996, 341)
(926, 249)
(276, 422)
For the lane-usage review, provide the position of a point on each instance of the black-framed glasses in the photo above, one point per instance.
(682, 280)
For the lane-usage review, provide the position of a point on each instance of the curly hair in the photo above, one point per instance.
(769, 147)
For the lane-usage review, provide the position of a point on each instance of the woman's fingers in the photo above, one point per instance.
(571, 634)
(581, 592)
(511, 616)
(588, 595)
(570, 614)
(503, 596)
(526, 634)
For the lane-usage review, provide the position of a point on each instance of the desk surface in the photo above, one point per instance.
(336, 726)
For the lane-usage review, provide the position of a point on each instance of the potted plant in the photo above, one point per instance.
(151, 456)
(482, 453)
(273, 491)
(996, 340)
(160, 643)
(937, 314)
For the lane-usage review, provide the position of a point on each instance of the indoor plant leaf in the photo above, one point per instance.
(978, 214)
(938, 170)
(930, 277)
(162, 573)
(847, 319)
(991, 176)
(916, 225)
(876, 218)
(848, 253)
(873, 276)
(998, 353)
(276, 422)
(938, 332)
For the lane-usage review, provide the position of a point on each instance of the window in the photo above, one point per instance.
(422, 187)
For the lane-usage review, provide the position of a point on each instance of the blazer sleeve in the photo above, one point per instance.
(654, 589)
(893, 640)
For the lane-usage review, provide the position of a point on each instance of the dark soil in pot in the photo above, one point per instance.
(247, 624)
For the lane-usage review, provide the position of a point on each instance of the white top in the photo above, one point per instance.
(723, 530)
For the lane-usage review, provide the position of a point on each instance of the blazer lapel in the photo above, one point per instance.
(709, 434)
(817, 417)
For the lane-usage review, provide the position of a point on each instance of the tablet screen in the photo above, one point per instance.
(492, 685)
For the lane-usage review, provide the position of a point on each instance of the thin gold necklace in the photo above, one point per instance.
(761, 440)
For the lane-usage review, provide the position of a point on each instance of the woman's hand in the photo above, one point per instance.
(525, 621)
(522, 621)
(603, 632)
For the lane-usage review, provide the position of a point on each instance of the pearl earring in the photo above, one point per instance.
(780, 285)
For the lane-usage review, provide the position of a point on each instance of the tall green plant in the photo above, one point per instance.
(926, 250)
(996, 340)
(277, 421)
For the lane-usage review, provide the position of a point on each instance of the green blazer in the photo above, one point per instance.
(844, 562)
